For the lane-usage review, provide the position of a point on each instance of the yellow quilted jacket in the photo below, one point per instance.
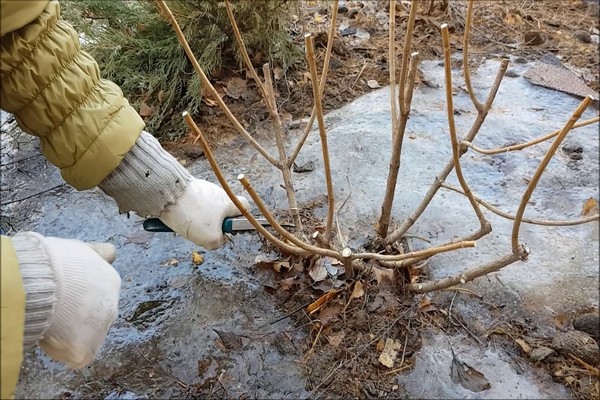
(84, 124)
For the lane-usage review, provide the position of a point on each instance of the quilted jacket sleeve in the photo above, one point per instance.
(54, 90)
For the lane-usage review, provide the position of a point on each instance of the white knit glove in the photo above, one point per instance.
(199, 212)
(72, 295)
(152, 183)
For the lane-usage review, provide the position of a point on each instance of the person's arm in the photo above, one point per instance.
(60, 294)
(90, 131)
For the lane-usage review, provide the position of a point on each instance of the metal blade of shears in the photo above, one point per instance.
(231, 225)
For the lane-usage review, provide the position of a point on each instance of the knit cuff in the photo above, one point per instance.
(147, 180)
(39, 285)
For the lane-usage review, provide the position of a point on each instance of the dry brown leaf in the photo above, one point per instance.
(425, 306)
(467, 376)
(390, 352)
(318, 271)
(590, 207)
(336, 339)
(282, 265)
(321, 301)
(286, 284)
(146, 111)
(383, 275)
(236, 88)
(329, 314)
(197, 258)
(524, 345)
(230, 340)
(358, 290)
(380, 344)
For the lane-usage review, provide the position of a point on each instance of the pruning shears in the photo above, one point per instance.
(231, 225)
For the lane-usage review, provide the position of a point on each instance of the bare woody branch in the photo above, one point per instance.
(397, 139)
(405, 55)
(530, 143)
(392, 63)
(313, 115)
(526, 220)
(542, 167)
(466, 276)
(452, 127)
(466, 72)
(310, 55)
(409, 222)
(206, 84)
(288, 182)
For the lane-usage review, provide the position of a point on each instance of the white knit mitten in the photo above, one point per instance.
(152, 183)
(72, 295)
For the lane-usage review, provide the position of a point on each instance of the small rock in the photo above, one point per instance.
(588, 323)
(540, 353)
(352, 12)
(583, 36)
(553, 23)
(348, 31)
(579, 344)
(534, 38)
(595, 38)
(342, 9)
(520, 60)
(373, 84)
(511, 73)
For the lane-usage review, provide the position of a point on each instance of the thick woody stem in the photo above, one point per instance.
(206, 84)
(467, 73)
(452, 127)
(506, 215)
(232, 196)
(347, 261)
(288, 182)
(522, 146)
(468, 275)
(313, 115)
(396, 156)
(392, 64)
(310, 55)
(409, 222)
(541, 168)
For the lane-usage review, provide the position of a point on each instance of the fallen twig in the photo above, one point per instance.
(33, 195)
